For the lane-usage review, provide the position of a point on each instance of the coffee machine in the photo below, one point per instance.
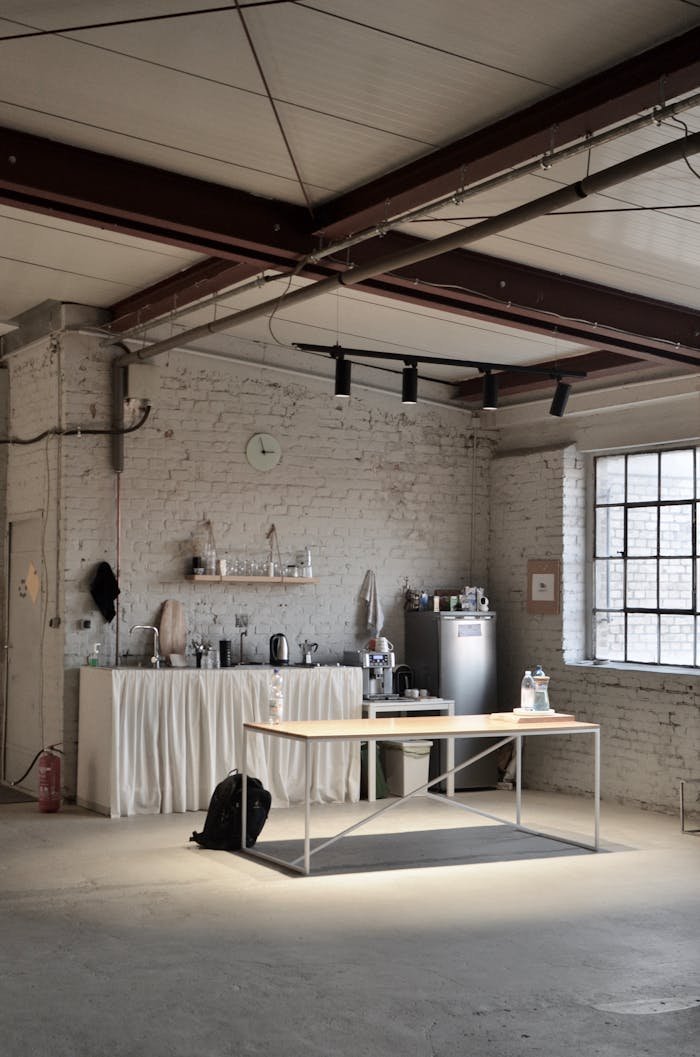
(377, 673)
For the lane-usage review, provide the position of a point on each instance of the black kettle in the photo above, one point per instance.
(279, 649)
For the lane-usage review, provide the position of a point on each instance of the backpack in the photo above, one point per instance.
(222, 826)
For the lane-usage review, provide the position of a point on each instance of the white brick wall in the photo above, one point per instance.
(649, 720)
(366, 484)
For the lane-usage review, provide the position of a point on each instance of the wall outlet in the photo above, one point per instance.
(241, 620)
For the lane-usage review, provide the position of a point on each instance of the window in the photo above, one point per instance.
(646, 563)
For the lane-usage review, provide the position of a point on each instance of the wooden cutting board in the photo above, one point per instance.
(173, 634)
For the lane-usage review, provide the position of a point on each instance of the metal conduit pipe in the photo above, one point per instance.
(536, 165)
(564, 196)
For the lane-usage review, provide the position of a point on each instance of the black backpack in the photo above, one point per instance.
(222, 826)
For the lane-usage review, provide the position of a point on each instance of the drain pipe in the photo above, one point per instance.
(590, 185)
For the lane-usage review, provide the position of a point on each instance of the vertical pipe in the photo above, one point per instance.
(118, 393)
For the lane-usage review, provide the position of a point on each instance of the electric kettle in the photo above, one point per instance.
(279, 649)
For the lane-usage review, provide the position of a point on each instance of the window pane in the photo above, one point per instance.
(641, 531)
(642, 637)
(677, 474)
(610, 479)
(676, 583)
(642, 477)
(641, 585)
(676, 530)
(609, 633)
(677, 635)
(609, 584)
(609, 531)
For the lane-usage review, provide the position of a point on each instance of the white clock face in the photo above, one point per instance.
(263, 451)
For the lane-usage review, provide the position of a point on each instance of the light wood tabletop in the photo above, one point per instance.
(416, 727)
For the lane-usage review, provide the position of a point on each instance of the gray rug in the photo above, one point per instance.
(8, 795)
(428, 848)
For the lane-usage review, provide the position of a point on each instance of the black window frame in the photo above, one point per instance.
(694, 556)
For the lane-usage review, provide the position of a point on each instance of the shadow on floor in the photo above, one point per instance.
(8, 795)
(428, 848)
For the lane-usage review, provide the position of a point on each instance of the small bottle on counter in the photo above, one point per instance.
(94, 658)
(527, 692)
(276, 697)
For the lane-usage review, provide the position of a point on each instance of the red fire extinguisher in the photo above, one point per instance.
(49, 780)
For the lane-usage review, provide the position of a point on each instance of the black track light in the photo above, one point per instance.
(561, 396)
(490, 400)
(343, 369)
(409, 388)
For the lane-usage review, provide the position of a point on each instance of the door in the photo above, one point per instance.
(24, 689)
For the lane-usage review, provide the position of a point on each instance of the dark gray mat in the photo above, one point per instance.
(8, 795)
(466, 845)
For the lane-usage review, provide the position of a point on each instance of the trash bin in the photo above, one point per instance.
(406, 765)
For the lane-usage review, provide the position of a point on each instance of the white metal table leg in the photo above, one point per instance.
(244, 799)
(518, 777)
(596, 782)
(371, 759)
(307, 808)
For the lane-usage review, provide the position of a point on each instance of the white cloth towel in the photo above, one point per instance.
(368, 594)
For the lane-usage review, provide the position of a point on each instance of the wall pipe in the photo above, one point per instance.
(564, 196)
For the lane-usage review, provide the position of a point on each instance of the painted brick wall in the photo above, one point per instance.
(649, 720)
(366, 484)
(35, 406)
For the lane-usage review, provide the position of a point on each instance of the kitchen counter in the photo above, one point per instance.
(152, 742)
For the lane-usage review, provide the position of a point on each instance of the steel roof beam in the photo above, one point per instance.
(637, 84)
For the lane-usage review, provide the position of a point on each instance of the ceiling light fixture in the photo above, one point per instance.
(560, 399)
(343, 369)
(409, 387)
(490, 400)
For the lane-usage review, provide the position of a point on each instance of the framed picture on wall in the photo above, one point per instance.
(543, 586)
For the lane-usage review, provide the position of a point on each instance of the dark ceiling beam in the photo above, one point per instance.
(102, 191)
(656, 76)
(184, 287)
(595, 364)
(472, 285)
(540, 301)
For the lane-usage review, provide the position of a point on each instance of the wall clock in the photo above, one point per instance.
(263, 451)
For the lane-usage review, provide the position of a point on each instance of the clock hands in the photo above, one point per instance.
(263, 449)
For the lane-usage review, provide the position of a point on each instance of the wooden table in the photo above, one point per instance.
(506, 728)
(374, 707)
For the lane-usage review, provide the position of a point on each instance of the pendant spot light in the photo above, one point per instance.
(409, 387)
(490, 398)
(343, 369)
(560, 399)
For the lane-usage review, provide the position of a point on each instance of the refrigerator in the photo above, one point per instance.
(453, 655)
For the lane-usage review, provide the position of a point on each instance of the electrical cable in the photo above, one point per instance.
(53, 748)
(80, 432)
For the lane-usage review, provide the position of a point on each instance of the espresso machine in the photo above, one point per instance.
(377, 673)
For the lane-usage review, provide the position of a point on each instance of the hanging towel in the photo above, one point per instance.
(104, 589)
(368, 595)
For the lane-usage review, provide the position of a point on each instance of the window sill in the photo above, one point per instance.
(626, 666)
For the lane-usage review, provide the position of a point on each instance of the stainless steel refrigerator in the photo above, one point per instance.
(454, 655)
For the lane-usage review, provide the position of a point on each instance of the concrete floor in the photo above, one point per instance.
(119, 938)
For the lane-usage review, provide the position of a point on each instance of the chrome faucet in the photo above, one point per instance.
(156, 659)
(243, 635)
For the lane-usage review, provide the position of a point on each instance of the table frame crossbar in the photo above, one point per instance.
(302, 864)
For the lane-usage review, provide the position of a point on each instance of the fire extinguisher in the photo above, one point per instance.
(49, 780)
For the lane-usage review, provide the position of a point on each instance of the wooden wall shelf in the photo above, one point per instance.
(296, 580)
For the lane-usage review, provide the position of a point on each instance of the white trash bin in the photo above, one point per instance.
(406, 765)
